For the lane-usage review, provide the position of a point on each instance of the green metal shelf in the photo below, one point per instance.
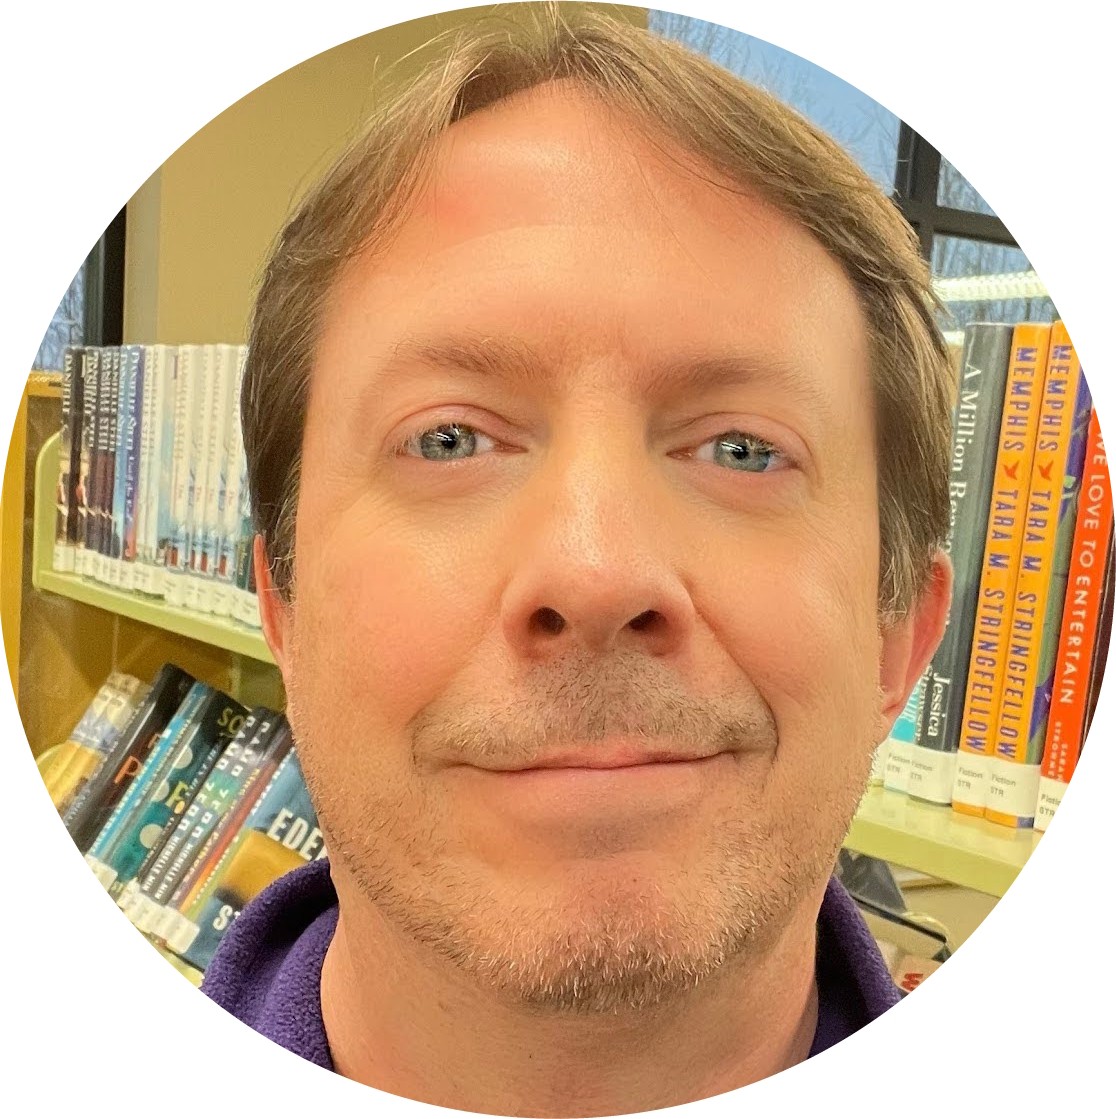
(935, 840)
(219, 632)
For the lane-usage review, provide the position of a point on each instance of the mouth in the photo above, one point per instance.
(606, 756)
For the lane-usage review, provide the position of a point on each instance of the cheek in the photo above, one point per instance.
(390, 611)
(801, 625)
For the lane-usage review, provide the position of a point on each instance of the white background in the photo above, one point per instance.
(96, 95)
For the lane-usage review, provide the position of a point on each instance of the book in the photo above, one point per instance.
(137, 373)
(106, 436)
(82, 757)
(205, 403)
(280, 832)
(90, 461)
(1079, 629)
(1104, 637)
(231, 771)
(85, 735)
(164, 748)
(93, 805)
(228, 501)
(190, 746)
(1030, 347)
(208, 852)
(162, 481)
(127, 426)
(976, 424)
(1013, 768)
(182, 472)
(65, 528)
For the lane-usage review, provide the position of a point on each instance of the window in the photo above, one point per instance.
(860, 124)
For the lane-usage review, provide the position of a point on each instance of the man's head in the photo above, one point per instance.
(595, 416)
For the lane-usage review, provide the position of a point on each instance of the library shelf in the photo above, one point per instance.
(220, 632)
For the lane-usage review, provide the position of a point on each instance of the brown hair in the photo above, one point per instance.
(744, 135)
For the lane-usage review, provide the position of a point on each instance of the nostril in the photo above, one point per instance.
(549, 621)
(645, 620)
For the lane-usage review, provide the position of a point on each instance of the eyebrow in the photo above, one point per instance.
(507, 357)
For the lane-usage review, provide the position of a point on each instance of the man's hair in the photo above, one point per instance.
(746, 137)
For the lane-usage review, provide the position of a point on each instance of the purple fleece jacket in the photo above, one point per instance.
(267, 970)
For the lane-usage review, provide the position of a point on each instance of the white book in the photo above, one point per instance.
(147, 435)
(161, 484)
(216, 472)
(178, 550)
(228, 501)
(201, 429)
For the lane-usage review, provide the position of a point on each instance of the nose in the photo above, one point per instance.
(596, 566)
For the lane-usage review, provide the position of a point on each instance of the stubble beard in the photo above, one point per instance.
(630, 946)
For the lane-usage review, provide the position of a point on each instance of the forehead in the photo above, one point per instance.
(553, 214)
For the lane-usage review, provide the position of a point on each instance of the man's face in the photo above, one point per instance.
(583, 657)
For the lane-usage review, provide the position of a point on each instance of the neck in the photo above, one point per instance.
(403, 1021)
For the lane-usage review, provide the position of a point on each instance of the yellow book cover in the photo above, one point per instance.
(1030, 349)
(1013, 775)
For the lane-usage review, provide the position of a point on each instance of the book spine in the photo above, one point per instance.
(201, 428)
(1079, 630)
(63, 558)
(229, 499)
(92, 807)
(91, 366)
(110, 376)
(120, 467)
(90, 751)
(280, 833)
(217, 478)
(163, 487)
(1013, 773)
(976, 426)
(128, 807)
(175, 918)
(178, 553)
(213, 799)
(143, 553)
(133, 434)
(1104, 638)
(1030, 347)
(208, 731)
(156, 859)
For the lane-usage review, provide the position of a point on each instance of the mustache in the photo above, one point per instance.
(579, 701)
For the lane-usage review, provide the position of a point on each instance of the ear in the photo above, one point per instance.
(908, 644)
(275, 613)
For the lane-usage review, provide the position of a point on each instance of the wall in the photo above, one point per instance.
(199, 229)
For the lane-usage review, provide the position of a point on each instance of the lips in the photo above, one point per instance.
(613, 758)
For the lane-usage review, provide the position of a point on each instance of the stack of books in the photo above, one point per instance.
(152, 492)
(998, 722)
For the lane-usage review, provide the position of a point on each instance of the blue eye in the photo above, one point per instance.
(737, 450)
(447, 443)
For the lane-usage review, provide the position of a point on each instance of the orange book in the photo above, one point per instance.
(1013, 767)
(1030, 348)
(1077, 640)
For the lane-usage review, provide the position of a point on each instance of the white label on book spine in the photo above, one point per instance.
(931, 774)
(1013, 788)
(879, 763)
(970, 782)
(105, 874)
(1049, 797)
(63, 559)
(897, 771)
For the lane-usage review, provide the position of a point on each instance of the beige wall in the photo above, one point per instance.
(199, 229)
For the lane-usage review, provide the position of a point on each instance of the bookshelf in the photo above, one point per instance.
(939, 842)
(218, 632)
(928, 838)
